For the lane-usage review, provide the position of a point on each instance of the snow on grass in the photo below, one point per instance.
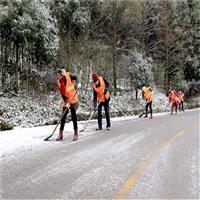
(26, 112)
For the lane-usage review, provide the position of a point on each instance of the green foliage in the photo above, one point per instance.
(158, 75)
(100, 36)
(27, 23)
(5, 126)
(28, 37)
(71, 16)
(178, 82)
(191, 19)
(72, 22)
(140, 71)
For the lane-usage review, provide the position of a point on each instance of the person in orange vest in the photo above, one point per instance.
(180, 96)
(147, 94)
(102, 96)
(67, 91)
(174, 100)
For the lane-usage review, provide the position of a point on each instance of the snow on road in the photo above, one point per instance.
(20, 143)
(24, 138)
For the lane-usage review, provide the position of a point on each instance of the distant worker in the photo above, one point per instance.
(180, 96)
(102, 96)
(147, 93)
(174, 100)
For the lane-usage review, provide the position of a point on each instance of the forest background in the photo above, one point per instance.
(131, 43)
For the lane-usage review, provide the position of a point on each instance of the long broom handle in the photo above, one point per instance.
(93, 113)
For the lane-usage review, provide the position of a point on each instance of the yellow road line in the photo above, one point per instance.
(125, 190)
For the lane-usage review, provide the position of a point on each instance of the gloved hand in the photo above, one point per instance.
(63, 72)
(68, 105)
(79, 85)
(105, 90)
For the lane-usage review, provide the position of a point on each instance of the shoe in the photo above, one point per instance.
(75, 135)
(150, 117)
(145, 116)
(108, 128)
(60, 136)
(98, 128)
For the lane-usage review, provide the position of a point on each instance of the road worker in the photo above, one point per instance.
(69, 99)
(147, 93)
(180, 96)
(174, 100)
(102, 96)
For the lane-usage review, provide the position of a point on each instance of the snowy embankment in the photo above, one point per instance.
(27, 112)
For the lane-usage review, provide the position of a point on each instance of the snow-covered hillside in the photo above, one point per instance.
(32, 112)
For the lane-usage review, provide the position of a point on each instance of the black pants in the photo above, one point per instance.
(150, 107)
(181, 106)
(74, 119)
(107, 113)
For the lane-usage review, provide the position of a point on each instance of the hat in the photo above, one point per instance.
(59, 69)
(95, 77)
(143, 88)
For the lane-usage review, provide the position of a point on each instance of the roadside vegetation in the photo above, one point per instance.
(131, 43)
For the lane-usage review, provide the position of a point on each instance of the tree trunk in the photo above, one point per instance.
(17, 69)
(167, 51)
(167, 61)
(88, 75)
(114, 47)
(136, 94)
(2, 66)
(143, 35)
(68, 56)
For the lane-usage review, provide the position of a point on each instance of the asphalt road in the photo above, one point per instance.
(137, 159)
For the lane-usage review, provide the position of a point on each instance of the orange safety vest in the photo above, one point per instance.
(147, 94)
(173, 98)
(70, 90)
(181, 96)
(100, 91)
